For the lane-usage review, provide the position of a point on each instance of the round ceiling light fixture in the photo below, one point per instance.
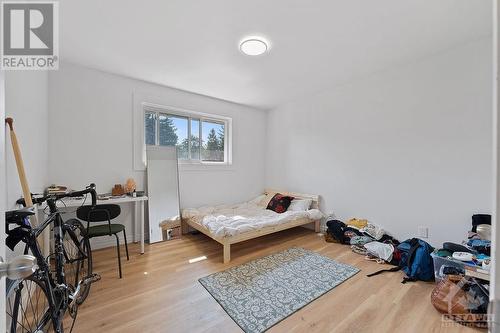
(254, 46)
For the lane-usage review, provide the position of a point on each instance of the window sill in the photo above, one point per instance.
(205, 167)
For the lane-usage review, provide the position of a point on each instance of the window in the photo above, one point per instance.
(150, 128)
(195, 139)
(213, 140)
(199, 138)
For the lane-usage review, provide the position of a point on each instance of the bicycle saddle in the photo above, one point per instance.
(18, 216)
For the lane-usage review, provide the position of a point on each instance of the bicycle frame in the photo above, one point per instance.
(60, 295)
(58, 306)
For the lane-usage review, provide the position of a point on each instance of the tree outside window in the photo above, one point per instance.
(195, 139)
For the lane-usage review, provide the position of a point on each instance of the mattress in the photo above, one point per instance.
(231, 220)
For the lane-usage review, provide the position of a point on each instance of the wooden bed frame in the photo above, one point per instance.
(228, 240)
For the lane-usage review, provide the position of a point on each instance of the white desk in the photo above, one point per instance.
(138, 205)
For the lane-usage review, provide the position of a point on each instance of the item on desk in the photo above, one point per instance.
(56, 189)
(105, 196)
(117, 190)
(130, 185)
(134, 194)
(139, 193)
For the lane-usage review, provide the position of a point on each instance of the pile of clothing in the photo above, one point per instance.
(480, 234)
(473, 253)
(462, 291)
(365, 238)
(412, 257)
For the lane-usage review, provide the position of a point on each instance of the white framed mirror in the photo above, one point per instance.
(163, 189)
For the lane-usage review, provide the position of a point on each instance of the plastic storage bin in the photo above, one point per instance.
(441, 262)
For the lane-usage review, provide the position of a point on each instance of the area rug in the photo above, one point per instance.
(263, 292)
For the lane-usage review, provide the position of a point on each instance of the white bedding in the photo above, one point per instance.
(231, 220)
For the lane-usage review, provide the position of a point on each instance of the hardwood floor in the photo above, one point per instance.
(159, 291)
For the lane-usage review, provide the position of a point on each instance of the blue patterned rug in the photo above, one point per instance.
(263, 292)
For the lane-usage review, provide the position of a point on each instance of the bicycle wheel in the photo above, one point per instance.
(78, 257)
(27, 307)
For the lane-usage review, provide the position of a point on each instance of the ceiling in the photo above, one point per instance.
(193, 45)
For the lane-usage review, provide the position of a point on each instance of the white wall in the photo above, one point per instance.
(26, 94)
(91, 137)
(404, 148)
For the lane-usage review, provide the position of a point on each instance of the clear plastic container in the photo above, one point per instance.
(441, 262)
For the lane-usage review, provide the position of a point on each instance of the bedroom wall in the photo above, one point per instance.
(91, 137)
(404, 148)
(26, 94)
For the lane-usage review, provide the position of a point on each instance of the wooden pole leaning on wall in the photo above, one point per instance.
(22, 174)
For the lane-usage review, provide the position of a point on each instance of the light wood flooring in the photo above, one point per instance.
(159, 291)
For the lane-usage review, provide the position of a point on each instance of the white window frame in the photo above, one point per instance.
(174, 111)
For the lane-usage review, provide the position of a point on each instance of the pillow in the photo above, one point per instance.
(300, 205)
(279, 203)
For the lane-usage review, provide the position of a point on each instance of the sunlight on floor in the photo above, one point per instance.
(191, 261)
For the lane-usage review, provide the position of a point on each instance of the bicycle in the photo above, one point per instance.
(62, 281)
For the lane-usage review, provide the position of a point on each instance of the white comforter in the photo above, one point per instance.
(230, 220)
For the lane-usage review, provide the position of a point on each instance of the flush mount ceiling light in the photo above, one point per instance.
(254, 46)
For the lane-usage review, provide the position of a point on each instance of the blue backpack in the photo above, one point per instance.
(416, 261)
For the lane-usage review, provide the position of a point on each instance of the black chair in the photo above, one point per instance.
(103, 213)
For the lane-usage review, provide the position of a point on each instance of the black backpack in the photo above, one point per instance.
(338, 228)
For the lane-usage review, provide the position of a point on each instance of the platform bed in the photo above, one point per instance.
(228, 240)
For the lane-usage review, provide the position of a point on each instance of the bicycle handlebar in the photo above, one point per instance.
(89, 190)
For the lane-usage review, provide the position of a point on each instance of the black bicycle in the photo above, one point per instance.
(62, 281)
